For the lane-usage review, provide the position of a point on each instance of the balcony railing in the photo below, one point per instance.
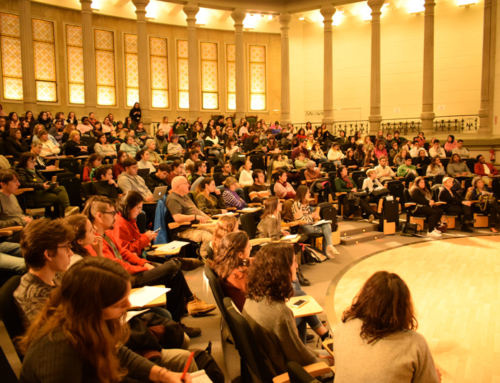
(456, 124)
(410, 125)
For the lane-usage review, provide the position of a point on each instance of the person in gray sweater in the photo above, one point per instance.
(370, 347)
(90, 304)
(457, 168)
(269, 286)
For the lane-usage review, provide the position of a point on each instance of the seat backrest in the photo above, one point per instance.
(214, 283)
(297, 374)
(248, 225)
(9, 310)
(302, 172)
(72, 186)
(87, 189)
(218, 178)
(258, 163)
(355, 175)
(71, 164)
(246, 193)
(407, 196)
(245, 343)
(359, 182)
(8, 374)
(328, 167)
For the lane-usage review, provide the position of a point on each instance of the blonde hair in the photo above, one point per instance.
(224, 226)
(73, 134)
(369, 172)
(230, 181)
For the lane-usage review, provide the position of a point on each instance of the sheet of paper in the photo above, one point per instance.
(200, 376)
(321, 222)
(172, 246)
(147, 294)
(288, 237)
(250, 209)
(227, 214)
(131, 314)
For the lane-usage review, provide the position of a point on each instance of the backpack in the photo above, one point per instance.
(329, 213)
(205, 361)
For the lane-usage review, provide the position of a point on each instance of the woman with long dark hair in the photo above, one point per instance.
(118, 166)
(377, 339)
(426, 206)
(135, 113)
(268, 287)
(90, 304)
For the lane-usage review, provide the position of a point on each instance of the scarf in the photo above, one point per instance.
(348, 182)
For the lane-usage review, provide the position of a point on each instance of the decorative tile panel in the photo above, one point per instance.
(157, 46)
(75, 65)
(10, 49)
(182, 49)
(159, 72)
(183, 69)
(183, 100)
(74, 53)
(106, 95)
(160, 99)
(257, 77)
(44, 52)
(210, 101)
(74, 36)
(12, 88)
(130, 43)
(257, 54)
(208, 51)
(105, 68)
(231, 76)
(103, 40)
(76, 94)
(45, 61)
(231, 101)
(231, 52)
(9, 25)
(132, 70)
(43, 30)
(11, 57)
(257, 102)
(46, 91)
(132, 96)
(209, 76)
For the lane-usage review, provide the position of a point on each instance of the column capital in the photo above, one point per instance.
(327, 11)
(140, 9)
(86, 5)
(429, 6)
(376, 7)
(238, 15)
(191, 10)
(285, 19)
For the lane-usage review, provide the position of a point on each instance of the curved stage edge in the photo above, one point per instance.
(464, 338)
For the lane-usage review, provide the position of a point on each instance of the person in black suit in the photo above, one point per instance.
(455, 204)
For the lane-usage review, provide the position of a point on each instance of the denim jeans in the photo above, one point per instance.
(302, 323)
(11, 260)
(326, 229)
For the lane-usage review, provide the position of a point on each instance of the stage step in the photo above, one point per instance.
(350, 228)
(359, 238)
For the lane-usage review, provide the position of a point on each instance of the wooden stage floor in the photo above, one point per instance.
(455, 285)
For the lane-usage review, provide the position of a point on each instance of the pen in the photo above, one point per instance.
(187, 366)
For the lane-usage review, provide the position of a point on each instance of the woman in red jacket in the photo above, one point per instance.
(126, 232)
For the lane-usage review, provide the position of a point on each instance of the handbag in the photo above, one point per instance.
(485, 200)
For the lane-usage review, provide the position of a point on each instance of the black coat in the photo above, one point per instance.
(14, 148)
(72, 149)
(152, 181)
(418, 197)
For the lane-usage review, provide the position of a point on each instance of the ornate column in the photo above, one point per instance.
(427, 114)
(484, 112)
(285, 19)
(238, 16)
(191, 10)
(143, 62)
(375, 117)
(89, 74)
(27, 57)
(328, 11)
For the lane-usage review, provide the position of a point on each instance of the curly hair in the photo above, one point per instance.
(227, 258)
(269, 275)
(384, 305)
(224, 226)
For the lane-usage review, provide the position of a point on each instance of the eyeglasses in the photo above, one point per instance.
(109, 212)
(67, 247)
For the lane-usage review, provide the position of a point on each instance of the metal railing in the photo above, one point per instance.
(403, 126)
(457, 124)
(351, 127)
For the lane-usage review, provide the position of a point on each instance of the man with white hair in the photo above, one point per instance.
(183, 209)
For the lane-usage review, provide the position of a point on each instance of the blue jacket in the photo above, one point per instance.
(160, 223)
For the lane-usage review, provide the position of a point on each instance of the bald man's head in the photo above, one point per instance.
(180, 185)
